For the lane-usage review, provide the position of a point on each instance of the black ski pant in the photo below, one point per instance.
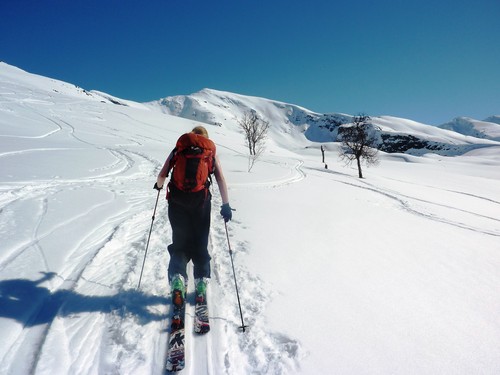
(190, 230)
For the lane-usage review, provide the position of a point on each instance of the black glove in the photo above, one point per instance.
(156, 187)
(226, 212)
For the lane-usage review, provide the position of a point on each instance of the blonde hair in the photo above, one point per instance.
(200, 130)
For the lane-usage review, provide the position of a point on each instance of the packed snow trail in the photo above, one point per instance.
(74, 234)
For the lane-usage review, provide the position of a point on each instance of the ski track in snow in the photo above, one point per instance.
(425, 211)
(296, 173)
(84, 314)
(115, 314)
(108, 337)
(261, 351)
(61, 300)
(96, 321)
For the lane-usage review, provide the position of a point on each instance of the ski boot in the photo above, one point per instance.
(178, 291)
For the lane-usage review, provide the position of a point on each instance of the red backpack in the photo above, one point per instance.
(193, 163)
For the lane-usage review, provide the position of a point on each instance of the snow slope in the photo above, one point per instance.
(394, 134)
(489, 128)
(395, 273)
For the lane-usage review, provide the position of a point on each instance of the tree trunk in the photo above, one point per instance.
(359, 167)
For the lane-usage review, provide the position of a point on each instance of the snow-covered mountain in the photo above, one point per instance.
(392, 274)
(488, 128)
(493, 119)
(395, 135)
(226, 109)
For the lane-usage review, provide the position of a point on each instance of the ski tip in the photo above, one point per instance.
(174, 369)
(176, 366)
(201, 330)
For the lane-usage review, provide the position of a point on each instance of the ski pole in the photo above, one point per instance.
(149, 236)
(243, 326)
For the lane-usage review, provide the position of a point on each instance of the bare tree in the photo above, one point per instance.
(358, 142)
(255, 130)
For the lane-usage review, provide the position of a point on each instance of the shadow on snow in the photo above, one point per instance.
(31, 304)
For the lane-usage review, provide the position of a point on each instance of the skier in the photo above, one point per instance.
(189, 207)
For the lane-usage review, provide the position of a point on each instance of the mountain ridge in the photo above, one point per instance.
(224, 109)
(394, 134)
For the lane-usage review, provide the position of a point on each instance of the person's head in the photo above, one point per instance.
(200, 130)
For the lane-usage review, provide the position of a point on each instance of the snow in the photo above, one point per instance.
(397, 273)
(489, 128)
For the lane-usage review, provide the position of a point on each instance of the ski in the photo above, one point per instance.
(201, 321)
(176, 359)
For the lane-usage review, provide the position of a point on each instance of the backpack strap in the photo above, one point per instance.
(172, 161)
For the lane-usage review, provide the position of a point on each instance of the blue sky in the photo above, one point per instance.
(427, 60)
